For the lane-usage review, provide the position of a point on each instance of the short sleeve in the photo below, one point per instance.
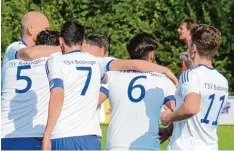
(104, 64)
(170, 92)
(12, 50)
(54, 73)
(104, 89)
(189, 83)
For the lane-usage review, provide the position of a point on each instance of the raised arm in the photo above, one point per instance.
(141, 65)
(35, 52)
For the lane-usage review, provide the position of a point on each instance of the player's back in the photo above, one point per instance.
(136, 99)
(81, 74)
(25, 97)
(199, 132)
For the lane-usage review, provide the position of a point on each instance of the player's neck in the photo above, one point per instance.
(72, 48)
(28, 41)
(204, 61)
(187, 41)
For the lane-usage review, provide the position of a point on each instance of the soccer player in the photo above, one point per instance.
(136, 102)
(97, 45)
(25, 99)
(75, 79)
(184, 35)
(200, 96)
(31, 24)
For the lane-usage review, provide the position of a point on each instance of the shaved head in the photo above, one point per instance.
(33, 23)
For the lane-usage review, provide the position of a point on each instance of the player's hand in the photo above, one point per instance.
(165, 116)
(186, 59)
(163, 136)
(171, 76)
(46, 143)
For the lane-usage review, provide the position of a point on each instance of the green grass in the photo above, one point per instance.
(225, 134)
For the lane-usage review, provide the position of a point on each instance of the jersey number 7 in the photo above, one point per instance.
(89, 69)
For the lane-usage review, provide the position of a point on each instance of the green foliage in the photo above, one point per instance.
(120, 20)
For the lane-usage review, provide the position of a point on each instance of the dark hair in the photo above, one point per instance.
(73, 33)
(207, 40)
(98, 40)
(140, 45)
(190, 23)
(48, 38)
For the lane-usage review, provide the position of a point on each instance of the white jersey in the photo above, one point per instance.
(25, 97)
(136, 99)
(12, 49)
(80, 74)
(199, 131)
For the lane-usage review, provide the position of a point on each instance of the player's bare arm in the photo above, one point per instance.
(171, 105)
(55, 107)
(143, 66)
(190, 107)
(36, 52)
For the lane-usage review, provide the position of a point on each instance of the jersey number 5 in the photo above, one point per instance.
(26, 78)
(139, 86)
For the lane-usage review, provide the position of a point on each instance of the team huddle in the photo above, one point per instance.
(53, 84)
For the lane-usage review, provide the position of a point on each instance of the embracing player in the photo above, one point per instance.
(71, 121)
(136, 99)
(25, 98)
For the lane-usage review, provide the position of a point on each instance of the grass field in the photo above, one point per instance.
(225, 134)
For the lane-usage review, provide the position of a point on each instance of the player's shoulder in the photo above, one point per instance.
(195, 70)
(186, 75)
(154, 75)
(220, 77)
(162, 77)
(199, 71)
(15, 44)
(55, 57)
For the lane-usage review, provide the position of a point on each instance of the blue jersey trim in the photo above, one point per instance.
(16, 54)
(108, 65)
(169, 98)
(73, 51)
(46, 67)
(105, 91)
(103, 77)
(206, 66)
(23, 42)
(56, 83)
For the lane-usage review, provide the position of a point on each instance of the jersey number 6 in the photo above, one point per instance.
(139, 86)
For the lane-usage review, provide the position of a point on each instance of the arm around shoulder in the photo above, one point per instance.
(30, 53)
(143, 66)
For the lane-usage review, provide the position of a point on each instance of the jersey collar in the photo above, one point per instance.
(23, 42)
(205, 66)
(73, 51)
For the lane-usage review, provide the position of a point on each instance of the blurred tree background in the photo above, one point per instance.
(120, 20)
